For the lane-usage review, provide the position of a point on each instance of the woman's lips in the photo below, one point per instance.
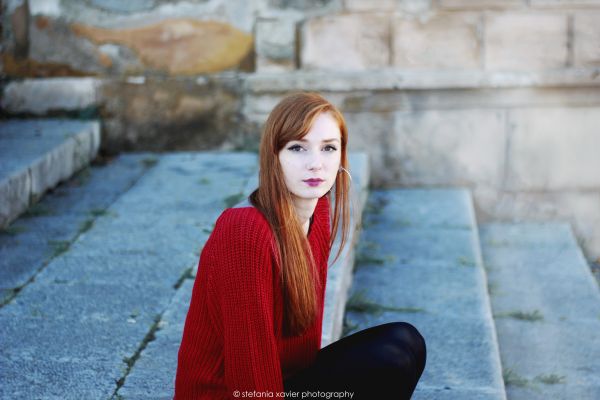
(313, 182)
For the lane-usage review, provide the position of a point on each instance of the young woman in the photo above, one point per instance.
(253, 328)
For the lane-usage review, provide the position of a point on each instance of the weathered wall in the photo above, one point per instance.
(527, 153)
(502, 96)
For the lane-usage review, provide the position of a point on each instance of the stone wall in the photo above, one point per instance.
(501, 96)
(106, 37)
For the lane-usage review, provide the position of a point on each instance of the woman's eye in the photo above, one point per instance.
(297, 148)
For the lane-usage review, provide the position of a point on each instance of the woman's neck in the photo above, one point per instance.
(304, 211)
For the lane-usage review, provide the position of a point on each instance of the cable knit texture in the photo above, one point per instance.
(232, 338)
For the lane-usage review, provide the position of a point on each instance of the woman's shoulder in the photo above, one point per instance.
(245, 222)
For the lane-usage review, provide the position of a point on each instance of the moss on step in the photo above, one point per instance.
(232, 200)
(208, 230)
(531, 316)
(86, 225)
(149, 162)
(362, 260)
(511, 378)
(37, 210)
(98, 212)
(187, 274)
(359, 302)
(12, 230)
(59, 247)
(496, 243)
(550, 379)
(130, 361)
(375, 205)
(466, 261)
(348, 327)
(82, 176)
(492, 288)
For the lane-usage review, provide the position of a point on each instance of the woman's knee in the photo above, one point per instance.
(405, 347)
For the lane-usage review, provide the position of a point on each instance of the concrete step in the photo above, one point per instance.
(82, 325)
(546, 306)
(48, 228)
(419, 261)
(154, 373)
(38, 154)
(57, 96)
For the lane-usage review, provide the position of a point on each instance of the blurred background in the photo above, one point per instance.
(500, 96)
(480, 120)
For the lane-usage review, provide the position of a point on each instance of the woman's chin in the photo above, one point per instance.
(311, 193)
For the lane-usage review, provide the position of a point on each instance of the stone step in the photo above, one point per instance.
(77, 329)
(48, 228)
(546, 306)
(419, 261)
(154, 373)
(56, 96)
(38, 154)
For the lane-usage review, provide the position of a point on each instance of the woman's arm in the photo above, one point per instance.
(243, 283)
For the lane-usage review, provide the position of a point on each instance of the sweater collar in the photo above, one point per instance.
(320, 215)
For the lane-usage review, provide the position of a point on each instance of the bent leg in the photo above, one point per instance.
(385, 360)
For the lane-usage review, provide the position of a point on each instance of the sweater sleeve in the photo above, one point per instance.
(243, 284)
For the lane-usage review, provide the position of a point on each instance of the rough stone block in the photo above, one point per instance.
(275, 44)
(14, 196)
(373, 5)
(178, 46)
(36, 155)
(346, 42)
(124, 7)
(60, 163)
(564, 3)
(52, 42)
(16, 22)
(444, 41)
(457, 147)
(407, 6)
(366, 128)
(587, 40)
(553, 149)
(51, 168)
(304, 5)
(40, 96)
(525, 41)
(480, 4)
(197, 115)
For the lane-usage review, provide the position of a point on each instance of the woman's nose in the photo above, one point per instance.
(315, 162)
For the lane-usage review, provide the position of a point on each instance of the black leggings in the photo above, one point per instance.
(381, 362)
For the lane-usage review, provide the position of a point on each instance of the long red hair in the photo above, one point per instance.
(291, 119)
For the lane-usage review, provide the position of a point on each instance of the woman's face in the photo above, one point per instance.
(316, 156)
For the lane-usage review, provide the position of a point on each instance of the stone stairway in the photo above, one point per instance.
(96, 277)
(419, 261)
(36, 155)
(546, 305)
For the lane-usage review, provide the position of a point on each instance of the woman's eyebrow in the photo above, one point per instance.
(324, 141)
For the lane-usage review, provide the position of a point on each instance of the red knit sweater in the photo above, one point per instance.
(232, 338)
